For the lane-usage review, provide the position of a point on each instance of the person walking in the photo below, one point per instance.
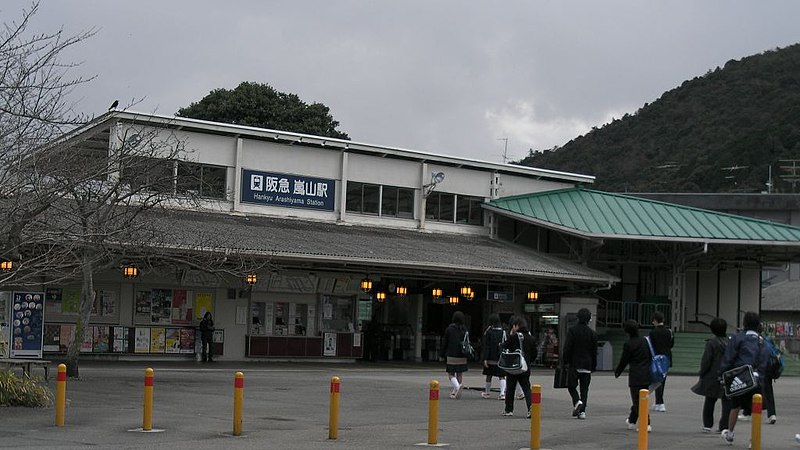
(663, 341)
(493, 337)
(207, 337)
(745, 347)
(708, 385)
(456, 361)
(636, 354)
(580, 354)
(519, 338)
(769, 393)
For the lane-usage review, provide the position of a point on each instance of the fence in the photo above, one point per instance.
(614, 314)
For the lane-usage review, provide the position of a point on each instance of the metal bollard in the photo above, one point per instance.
(536, 417)
(433, 413)
(147, 418)
(644, 419)
(61, 394)
(755, 435)
(238, 399)
(333, 413)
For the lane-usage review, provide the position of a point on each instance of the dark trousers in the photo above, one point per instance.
(207, 349)
(584, 379)
(769, 396)
(634, 415)
(660, 393)
(708, 412)
(524, 380)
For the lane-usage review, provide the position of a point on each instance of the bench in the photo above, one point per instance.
(26, 365)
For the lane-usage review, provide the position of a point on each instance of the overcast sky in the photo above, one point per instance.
(448, 77)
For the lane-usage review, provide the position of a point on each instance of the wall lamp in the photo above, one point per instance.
(129, 271)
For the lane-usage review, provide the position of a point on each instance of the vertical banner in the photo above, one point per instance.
(27, 324)
(329, 344)
(203, 303)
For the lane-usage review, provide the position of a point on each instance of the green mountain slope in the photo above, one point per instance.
(716, 133)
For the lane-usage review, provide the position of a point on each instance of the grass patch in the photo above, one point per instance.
(23, 391)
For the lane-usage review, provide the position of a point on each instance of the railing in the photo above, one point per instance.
(614, 314)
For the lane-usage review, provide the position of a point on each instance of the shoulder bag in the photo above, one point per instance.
(513, 362)
(659, 365)
(466, 347)
(741, 380)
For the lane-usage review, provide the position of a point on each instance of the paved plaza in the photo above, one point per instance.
(382, 406)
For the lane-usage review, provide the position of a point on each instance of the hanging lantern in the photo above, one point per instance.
(251, 278)
(380, 296)
(436, 292)
(365, 285)
(471, 295)
(129, 271)
(465, 290)
(6, 266)
(401, 290)
(453, 299)
(533, 296)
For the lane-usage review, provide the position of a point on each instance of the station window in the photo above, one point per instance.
(446, 207)
(200, 179)
(389, 201)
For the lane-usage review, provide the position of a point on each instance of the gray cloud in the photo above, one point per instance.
(447, 77)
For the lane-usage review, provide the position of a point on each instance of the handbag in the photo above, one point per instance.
(466, 347)
(513, 362)
(659, 365)
(565, 377)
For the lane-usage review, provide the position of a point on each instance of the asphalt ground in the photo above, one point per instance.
(382, 405)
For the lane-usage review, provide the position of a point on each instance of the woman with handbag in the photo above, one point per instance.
(636, 354)
(708, 384)
(744, 348)
(490, 353)
(453, 354)
(519, 338)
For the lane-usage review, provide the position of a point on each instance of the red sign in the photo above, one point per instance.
(434, 394)
(536, 398)
(335, 388)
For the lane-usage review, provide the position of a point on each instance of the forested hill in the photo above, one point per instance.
(716, 133)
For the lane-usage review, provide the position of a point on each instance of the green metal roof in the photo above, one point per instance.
(595, 214)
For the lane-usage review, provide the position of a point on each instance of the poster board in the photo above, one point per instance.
(27, 325)
(5, 323)
(329, 344)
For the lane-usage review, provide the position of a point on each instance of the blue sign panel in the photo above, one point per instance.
(280, 189)
(27, 326)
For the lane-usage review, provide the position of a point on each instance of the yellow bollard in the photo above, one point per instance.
(755, 434)
(147, 419)
(61, 394)
(333, 413)
(433, 413)
(536, 417)
(644, 420)
(238, 399)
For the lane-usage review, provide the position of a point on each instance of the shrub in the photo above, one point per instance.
(23, 391)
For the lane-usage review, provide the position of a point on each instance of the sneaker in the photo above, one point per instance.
(706, 430)
(772, 419)
(453, 395)
(727, 436)
(582, 415)
(486, 395)
(501, 397)
(529, 414)
(520, 396)
(797, 438)
(743, 417)
(577, 408)
(508, 413)
(660, 407)
(631, 426)
(459, 390)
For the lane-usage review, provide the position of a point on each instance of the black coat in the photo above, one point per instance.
(490, 346)
(662, 340)
(744, 348)
(635, 353)
(580, 347)
(708, 385)
(451, 341)
(207, 329)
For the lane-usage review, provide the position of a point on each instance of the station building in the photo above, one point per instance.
(368, 250)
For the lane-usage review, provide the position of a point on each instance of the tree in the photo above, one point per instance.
(260, 105)
(76, 205)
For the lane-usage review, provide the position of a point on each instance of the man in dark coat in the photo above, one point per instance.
(207, 337)
(636, 354)
(662, 340)
(580, 354)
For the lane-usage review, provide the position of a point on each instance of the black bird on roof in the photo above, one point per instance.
(114, 105)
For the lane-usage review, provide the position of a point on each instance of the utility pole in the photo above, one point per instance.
(505, 149)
